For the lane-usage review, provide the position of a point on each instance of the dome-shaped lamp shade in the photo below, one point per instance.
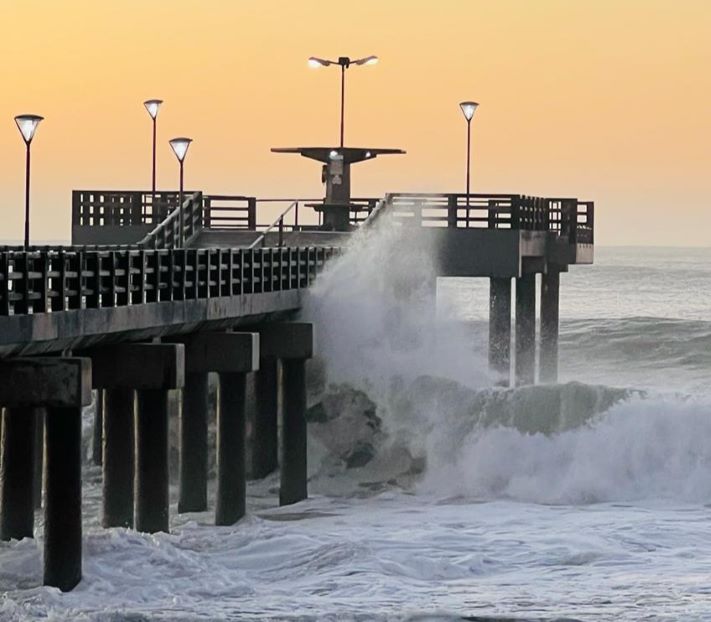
(27, 124)
(468, 109)
(180, 147)
(152, 105)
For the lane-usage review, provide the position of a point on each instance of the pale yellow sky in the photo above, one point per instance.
(607, 100)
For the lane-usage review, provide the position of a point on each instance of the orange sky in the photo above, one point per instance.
(607, 100)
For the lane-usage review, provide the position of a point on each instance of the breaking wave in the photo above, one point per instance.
(406, 397)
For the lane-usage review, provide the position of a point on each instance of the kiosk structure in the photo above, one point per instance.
(336, 174)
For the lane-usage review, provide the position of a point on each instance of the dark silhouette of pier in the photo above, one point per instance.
(153, 296)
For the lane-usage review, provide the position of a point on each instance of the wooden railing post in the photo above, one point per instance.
(76, 208)
(108, 299)
(567, 219)
(122, 275)
(516, 212)
(43, 267)
(452, 211)
(252, 213)
(93, 279)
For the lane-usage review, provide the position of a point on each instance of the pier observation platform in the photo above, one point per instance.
(154, 294)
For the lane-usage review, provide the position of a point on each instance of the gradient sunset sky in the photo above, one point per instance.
(608, 100)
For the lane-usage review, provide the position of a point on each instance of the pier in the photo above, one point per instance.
(153, 295)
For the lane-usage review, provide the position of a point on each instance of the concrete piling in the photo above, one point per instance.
(193, 443)
(62, 529)
(265, 431)
(292, 344)
(151, 370)
(62, 386)
(500, 326)
(293, 455)
(118, 457)
(17, 502)
(231, 355)
(231, 464)
(38, 458)
(525, 363)
(152, 492)
(96, 446)
(550, 311)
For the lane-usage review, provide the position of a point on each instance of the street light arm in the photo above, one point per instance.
(366, 60)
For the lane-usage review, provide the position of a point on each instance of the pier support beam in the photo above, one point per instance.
(62, 386)
(152, 475)
(193, 441)
(96, 446)
(118, 457)
(151, 369)
(292, 343)
(38, 462)
(500, 326)
(62, 526)
(232, 356)
(525, 329)
(550, 299)
(17, 504)
(293, 456)
(265, 430)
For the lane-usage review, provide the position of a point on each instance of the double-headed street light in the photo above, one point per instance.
(27, 124)
(468, 109)
(344, 62)
(180, 149)
(152, 106)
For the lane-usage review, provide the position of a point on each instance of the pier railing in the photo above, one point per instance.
(52, 281)
(102, 208)
(565, 216)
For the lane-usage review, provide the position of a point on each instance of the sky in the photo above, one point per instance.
(606, 100)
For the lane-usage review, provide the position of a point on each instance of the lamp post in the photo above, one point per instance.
(27, 124)
(152, 106)
(180, 149)
(344, 62)
(468, 109)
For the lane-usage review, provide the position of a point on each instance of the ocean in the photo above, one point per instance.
(436, 494)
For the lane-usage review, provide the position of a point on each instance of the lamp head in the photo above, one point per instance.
(27, 124)
(152, 106)
(315, 63)
(180, 147)
(368, 60)
(468, 109)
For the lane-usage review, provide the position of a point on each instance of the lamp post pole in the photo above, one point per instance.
(153, 171)
(344, 62)
(180, 202)
(343, 97)
(27, 124)
(468, 108)
(152, 106)
(180, 148)
(469, 160)
(27, 196)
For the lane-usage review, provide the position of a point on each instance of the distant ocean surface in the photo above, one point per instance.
(585, 500)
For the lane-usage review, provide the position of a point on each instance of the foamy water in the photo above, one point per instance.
(584, 500)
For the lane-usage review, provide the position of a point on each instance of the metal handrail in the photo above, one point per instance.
(375, 214)
(278, 222)
(151, 240)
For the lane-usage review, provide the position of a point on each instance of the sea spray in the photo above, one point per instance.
(375, 311)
